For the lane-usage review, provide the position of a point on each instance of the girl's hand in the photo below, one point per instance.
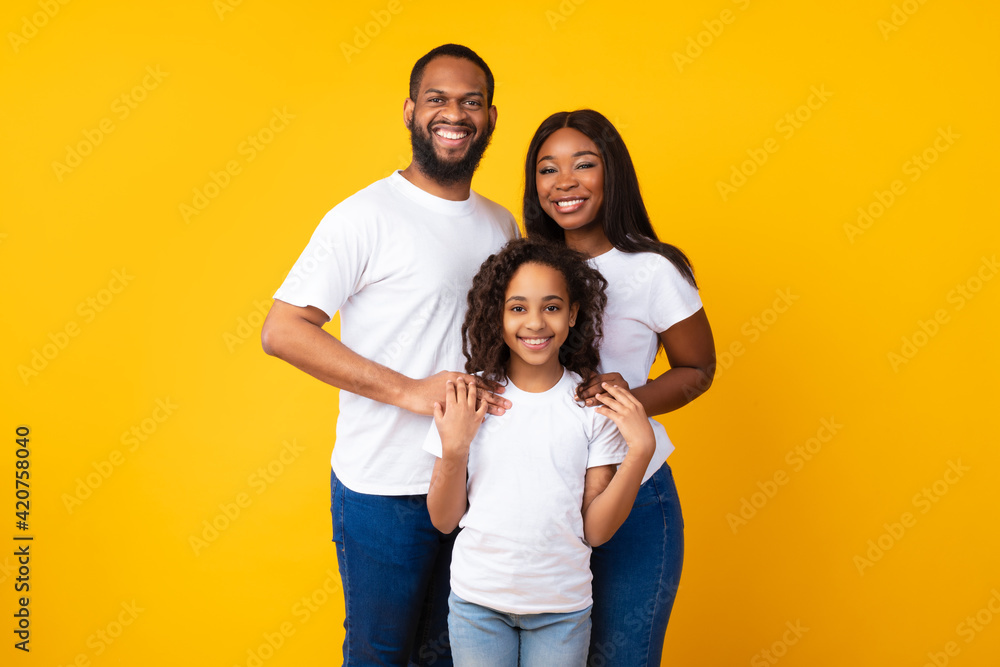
(589, 393)
(458, 419)
(627, 413)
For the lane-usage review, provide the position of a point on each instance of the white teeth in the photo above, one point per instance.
(534, 341)
(571, 202)
(451, 135)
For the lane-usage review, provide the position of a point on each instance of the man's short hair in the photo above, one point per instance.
(454, 51)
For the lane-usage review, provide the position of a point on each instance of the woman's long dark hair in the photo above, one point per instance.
(626, 223)
(482, 332)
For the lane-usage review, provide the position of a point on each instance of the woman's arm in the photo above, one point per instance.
(608, 496)
(690, 350)
(457, 423)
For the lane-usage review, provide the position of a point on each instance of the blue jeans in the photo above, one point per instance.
(395, 570)
(636, 575)
(484, 637)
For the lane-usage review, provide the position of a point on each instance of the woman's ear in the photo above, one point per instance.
(573, 310)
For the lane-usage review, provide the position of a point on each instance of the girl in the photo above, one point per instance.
(534, 489)
(581, 190)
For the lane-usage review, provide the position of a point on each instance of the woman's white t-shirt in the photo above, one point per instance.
(646, 295)
(521, 549)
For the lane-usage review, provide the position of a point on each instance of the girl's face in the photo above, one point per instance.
(536, 321)
(569, 175)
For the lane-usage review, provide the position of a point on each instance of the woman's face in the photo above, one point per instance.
(569, 175)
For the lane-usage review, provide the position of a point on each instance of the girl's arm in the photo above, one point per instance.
(457, 423)
(608, 496)
(690, 350)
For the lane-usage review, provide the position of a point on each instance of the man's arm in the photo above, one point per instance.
(295, 334)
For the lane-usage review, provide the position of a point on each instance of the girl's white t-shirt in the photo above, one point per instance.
(521, 549)
(646, 295)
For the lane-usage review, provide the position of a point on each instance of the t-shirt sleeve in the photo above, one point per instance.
(334, 264)
(607, 446)
(432, 442)
(515, 231)
(672, 298)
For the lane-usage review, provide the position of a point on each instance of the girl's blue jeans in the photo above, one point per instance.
(484, 637)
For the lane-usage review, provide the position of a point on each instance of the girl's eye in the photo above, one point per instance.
(552, 309)
(517, 309)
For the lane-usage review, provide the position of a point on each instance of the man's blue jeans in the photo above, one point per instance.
(395, 570)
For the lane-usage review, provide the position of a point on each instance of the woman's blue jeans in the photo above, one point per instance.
(636, 575)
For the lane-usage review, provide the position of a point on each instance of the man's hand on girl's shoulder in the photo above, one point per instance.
(423, 394)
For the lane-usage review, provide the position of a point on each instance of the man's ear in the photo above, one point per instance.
(408, 107)
(493, 117)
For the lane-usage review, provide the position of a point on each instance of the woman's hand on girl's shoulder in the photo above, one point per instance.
(594, 387)
(458, 419)
(625, 410)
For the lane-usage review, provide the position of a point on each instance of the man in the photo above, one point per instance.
(397, 260)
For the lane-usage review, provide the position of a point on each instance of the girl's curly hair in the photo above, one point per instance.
(482, 332)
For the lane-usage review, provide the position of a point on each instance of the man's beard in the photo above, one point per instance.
(451, 171)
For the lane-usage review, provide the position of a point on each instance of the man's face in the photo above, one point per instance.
(449, 122)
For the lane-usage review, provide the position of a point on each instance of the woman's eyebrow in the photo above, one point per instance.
(577, 154)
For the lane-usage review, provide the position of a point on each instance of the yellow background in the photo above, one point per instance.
(180, 322)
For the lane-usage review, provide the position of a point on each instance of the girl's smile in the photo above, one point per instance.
(536, 322)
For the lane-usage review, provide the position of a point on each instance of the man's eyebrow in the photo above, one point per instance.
(577, 154)
(436, 91)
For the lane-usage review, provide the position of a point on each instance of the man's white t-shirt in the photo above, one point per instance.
(521, 549)
(646, 295)
(397, 262)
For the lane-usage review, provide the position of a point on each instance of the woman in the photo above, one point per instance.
(581, 189)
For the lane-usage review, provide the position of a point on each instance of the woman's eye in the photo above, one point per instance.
(546, 170)
(585, 165)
